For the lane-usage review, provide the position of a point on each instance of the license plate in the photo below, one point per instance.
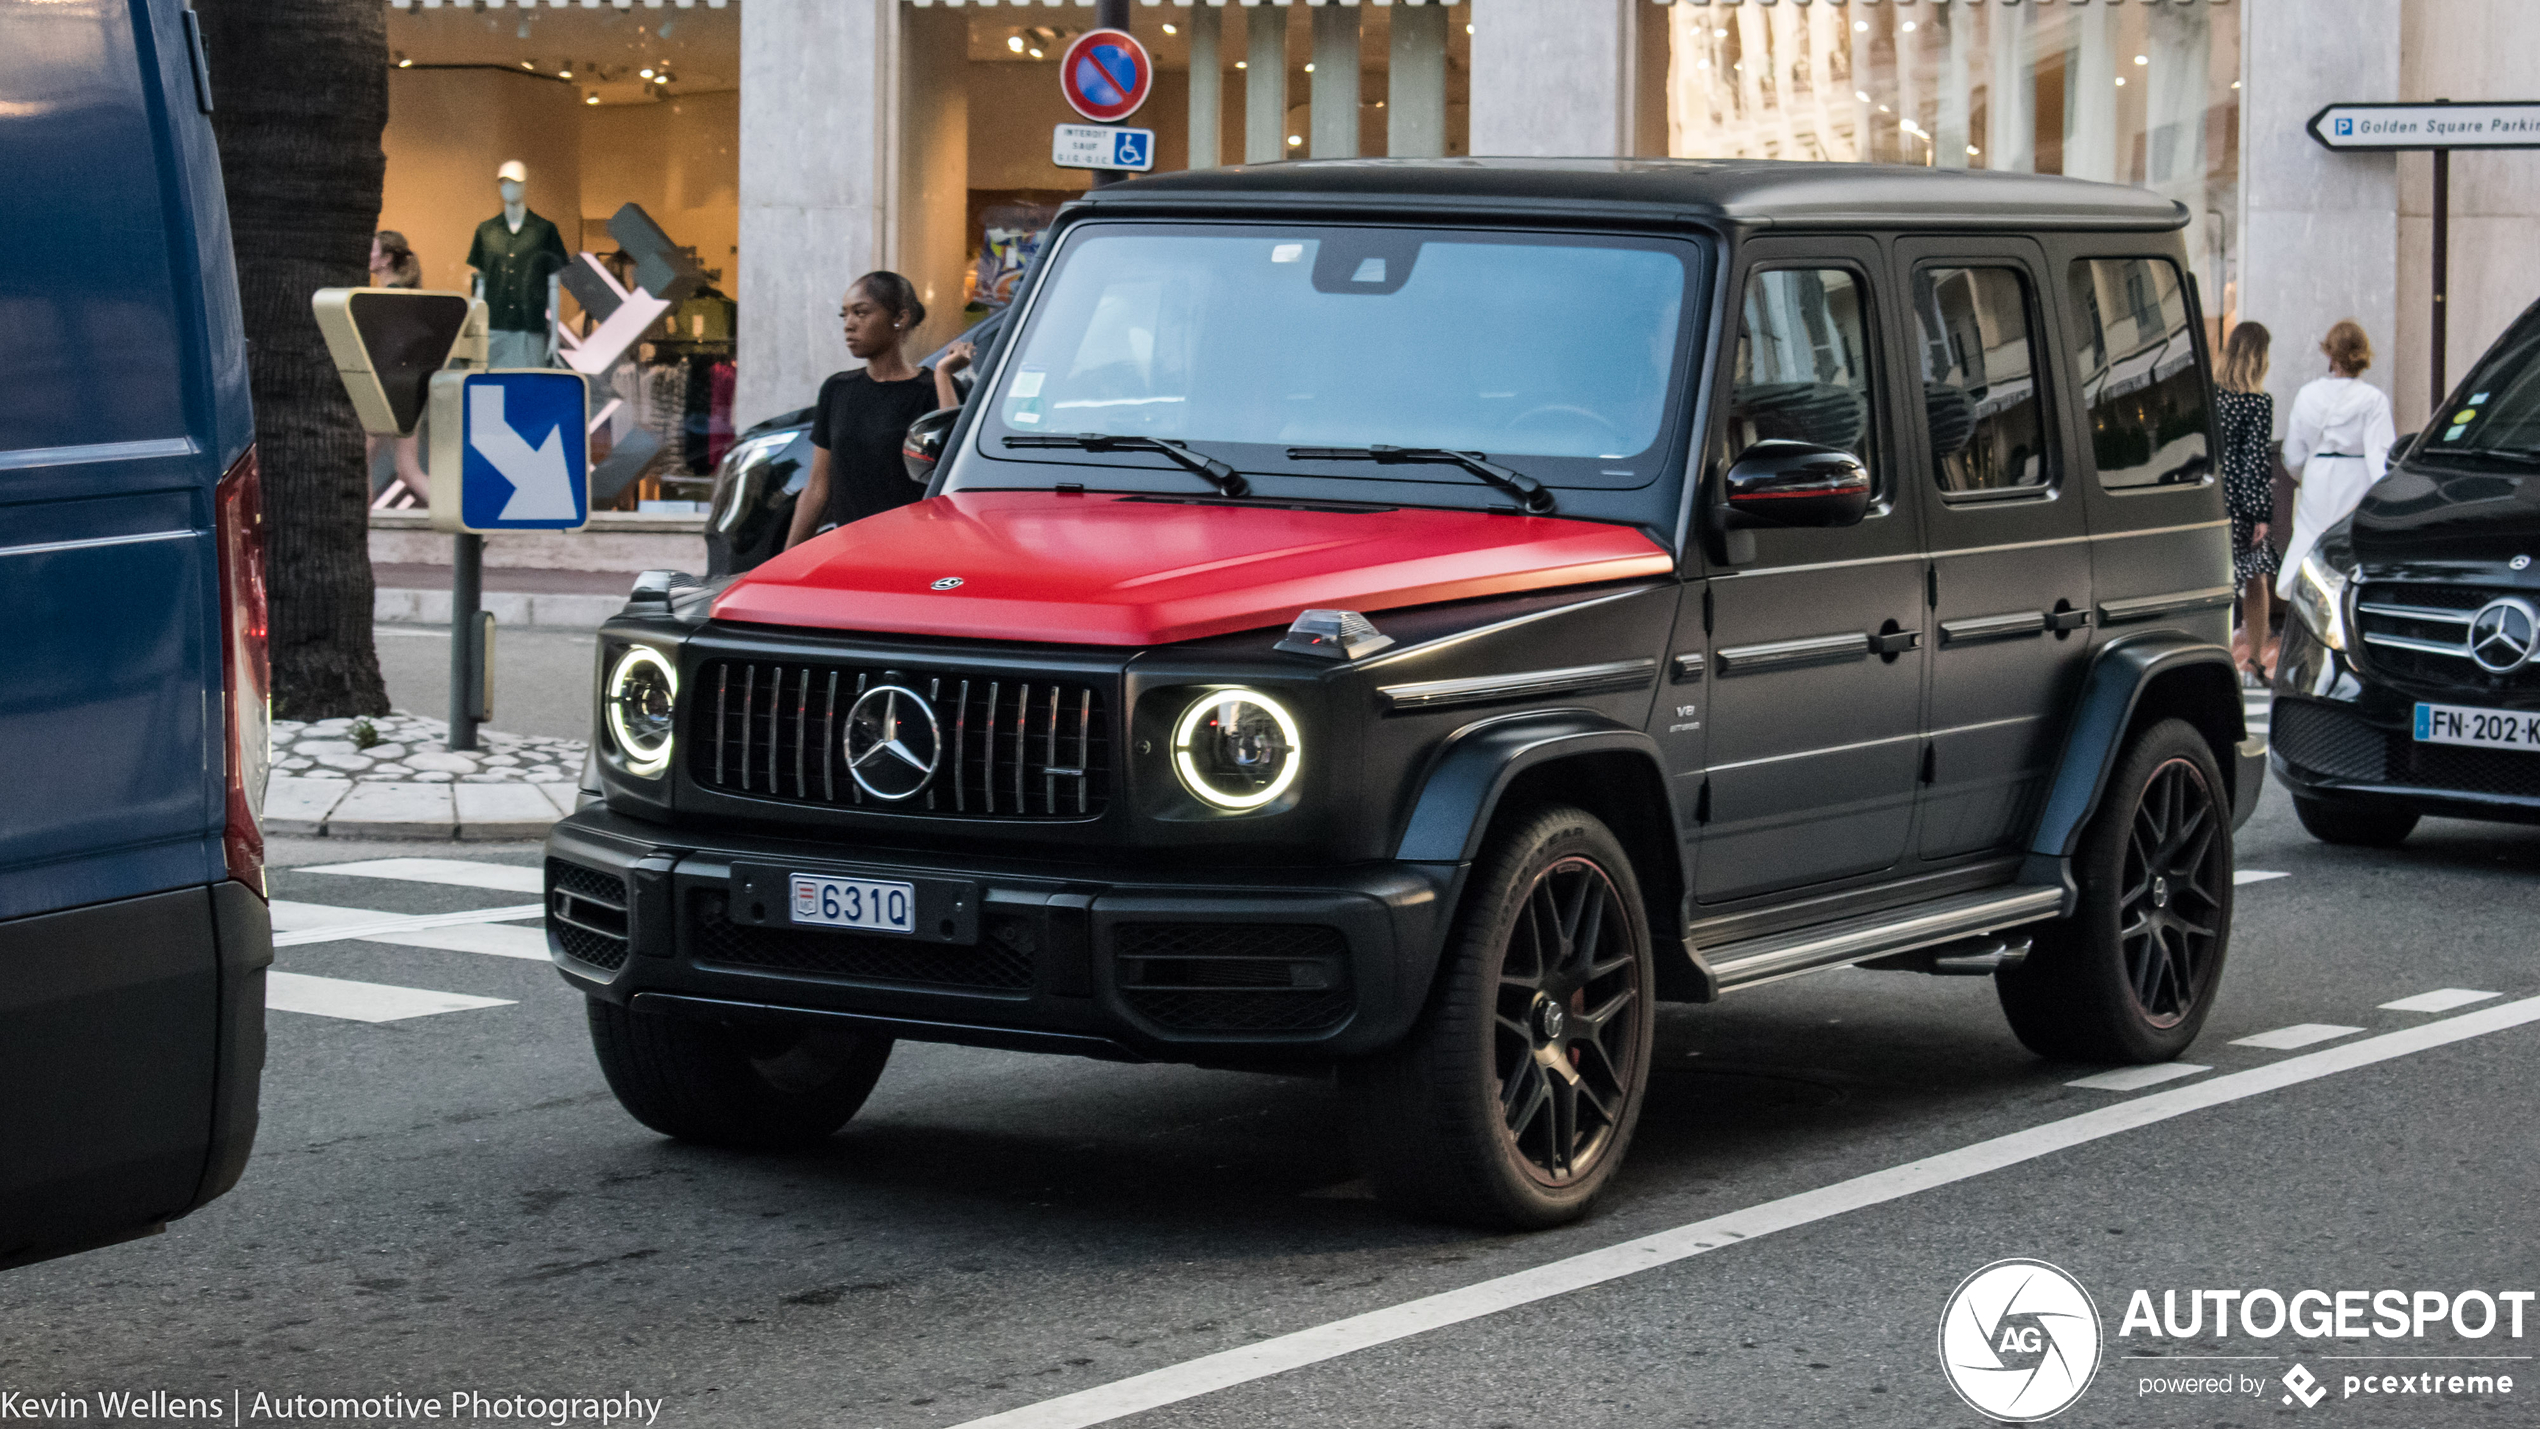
(855, 903)
(2483, 729)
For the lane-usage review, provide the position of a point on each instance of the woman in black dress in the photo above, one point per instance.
(2246, 416)
(861, 416)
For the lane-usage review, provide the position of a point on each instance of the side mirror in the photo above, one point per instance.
(924, 444)
(1785, 483)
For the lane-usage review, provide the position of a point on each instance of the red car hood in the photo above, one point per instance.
(1114, 570)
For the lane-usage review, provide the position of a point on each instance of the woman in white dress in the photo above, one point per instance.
(2338, 438)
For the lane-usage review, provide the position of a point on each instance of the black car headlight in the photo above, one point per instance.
(638, 705)
(1237, 749)
(2319, 598)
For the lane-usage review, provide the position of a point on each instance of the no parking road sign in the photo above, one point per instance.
(1105, 75)
(509, 451)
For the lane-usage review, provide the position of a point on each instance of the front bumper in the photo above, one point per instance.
(2339, 735)
(1236, 966)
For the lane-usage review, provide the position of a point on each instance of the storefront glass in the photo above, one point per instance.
(2136, 94)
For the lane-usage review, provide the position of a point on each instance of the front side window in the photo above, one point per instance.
(2499, 413)
(2139, 381)
(1554, 353)
(1980, 390)
(1802, 368)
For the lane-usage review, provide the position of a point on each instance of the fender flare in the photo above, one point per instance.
(1461, 787)
(2110, 693)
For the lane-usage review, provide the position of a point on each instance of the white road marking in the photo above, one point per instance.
(2245, 876)
(2135, 1079)
(390, 927)
(2442, 999)
(464, 873)
(363, 1001)
(2300, 1034)
(1243, 1364)
(331, 923)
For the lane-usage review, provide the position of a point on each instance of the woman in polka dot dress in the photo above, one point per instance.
(2245, 415)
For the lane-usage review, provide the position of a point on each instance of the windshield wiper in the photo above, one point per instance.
(2519, 456)
(1225, 478)
(1531, 496)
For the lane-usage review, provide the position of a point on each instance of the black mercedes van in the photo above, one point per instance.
(2409, 682)
(1407, 618)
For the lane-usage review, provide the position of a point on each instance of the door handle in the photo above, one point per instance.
(1896, 642)
(2063, 620)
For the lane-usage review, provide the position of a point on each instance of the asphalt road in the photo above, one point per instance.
(453, 1201)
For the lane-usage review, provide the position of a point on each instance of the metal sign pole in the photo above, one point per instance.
(1114, 15)
(2442, 275)
(467, 593)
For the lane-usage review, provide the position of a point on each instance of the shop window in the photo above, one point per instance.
(2137, 373)
(1802, 369)
(1980, 389)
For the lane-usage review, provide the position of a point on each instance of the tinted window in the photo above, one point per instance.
(1802, 369)
(1980, 390)
(2139, 381)
(1558, 349)
(2500, 404)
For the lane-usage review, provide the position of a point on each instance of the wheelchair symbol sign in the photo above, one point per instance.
(1129, 149)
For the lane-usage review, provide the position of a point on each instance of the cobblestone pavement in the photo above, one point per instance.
(407, 748)
(393, 776)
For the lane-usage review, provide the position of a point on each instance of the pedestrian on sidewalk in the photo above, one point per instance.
(393, 265)
(2338, 438)
(2246, 415)
(862, 416)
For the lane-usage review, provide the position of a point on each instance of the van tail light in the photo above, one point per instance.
(246, 672)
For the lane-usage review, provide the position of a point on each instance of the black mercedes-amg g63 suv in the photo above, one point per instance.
(2409, 679)
(1408, 618)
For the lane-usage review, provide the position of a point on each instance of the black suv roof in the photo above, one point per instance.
(1743, 192)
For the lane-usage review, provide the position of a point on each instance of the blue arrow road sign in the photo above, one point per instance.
(517, 442)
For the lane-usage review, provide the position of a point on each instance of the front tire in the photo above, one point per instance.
(2357, 825)
(2130, 976)
(754, 1088)
(1512, 1102)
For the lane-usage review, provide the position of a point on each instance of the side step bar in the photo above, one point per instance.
(1756, 961)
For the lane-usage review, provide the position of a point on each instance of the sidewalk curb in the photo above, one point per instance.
(347, 809)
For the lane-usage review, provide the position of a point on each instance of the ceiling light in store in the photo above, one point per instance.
(1014, 43)
(1034, 52)
(1380, 104)
(1701, 64)
(1468, 27)
(1883, 109)
(1294, 140)
(2235, 84)
(592, 98)
(1907, 27)
(1974, 153)
(1859, 27)
(644, 73)
(1723, 34)
(1239, 64)
(524, 64)
(405, 63)
(2120, 81)
(1171, 31)
(1862, 95)
(2143, 59)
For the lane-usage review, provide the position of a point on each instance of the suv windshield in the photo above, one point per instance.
(2499, 412)
(1553, 353)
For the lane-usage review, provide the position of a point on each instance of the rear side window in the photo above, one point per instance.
(2139, 383)
(1980, 389)
(1802, 370)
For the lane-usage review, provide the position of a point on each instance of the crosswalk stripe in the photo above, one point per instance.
(364, 1001)
(383, 927)
(460, 872)
(2245, 876)
(2135, 1079)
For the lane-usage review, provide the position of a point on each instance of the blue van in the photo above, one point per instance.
(133, 929)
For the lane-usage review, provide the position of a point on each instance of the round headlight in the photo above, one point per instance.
(1237, 749)
(642, 693)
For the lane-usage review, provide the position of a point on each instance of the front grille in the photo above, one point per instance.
(2419, 632)
(714, 938)
(1234, 977)
(2326, 741)
(587, 910)
(1011, 747)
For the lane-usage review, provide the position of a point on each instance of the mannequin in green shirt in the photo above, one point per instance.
(517, 255)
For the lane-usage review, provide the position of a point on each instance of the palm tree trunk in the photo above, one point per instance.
(300, 95)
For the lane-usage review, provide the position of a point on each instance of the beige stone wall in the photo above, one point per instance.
(448, 130)
(2464, 50)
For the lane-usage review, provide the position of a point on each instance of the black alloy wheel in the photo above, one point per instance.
(2130, 976)
(1570, 996)
(1512, 1102)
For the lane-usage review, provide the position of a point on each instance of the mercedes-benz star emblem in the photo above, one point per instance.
(2520, 563)
(893, 742)
(2503, 634)
(947, 583)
